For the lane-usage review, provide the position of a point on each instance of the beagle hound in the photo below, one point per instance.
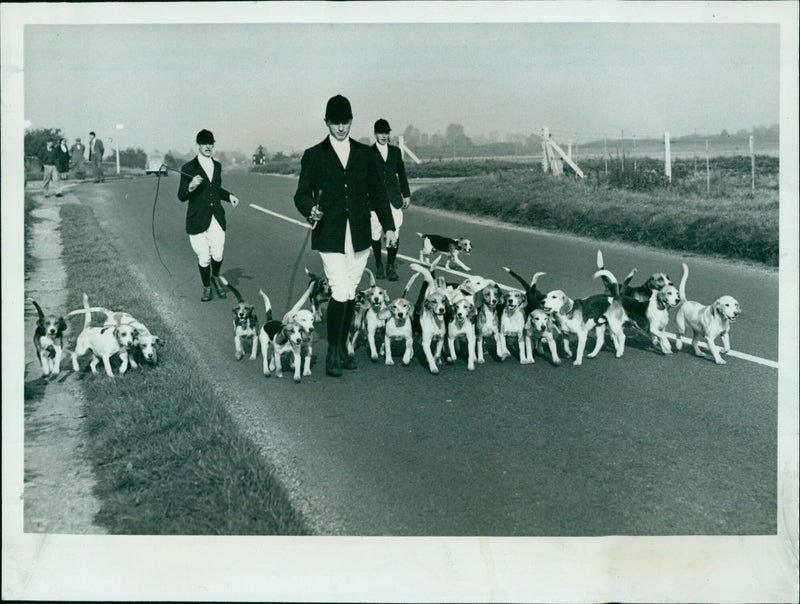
(540, 329)
(245, 324)
(292, 335)
(533, 297)
(651, 317)
(642, 292)
(398, 317)
(512, 324)
(462, 324)
(446, 246)
(579, 317)
(320, 294)
(376, 299)
(144, 342)
(357, 325)
(48, 340)
(431, 307)
(487, 320)
(707, 322)
(104, 342)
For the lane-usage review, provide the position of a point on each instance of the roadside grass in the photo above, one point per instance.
(167, 456)
(31, 205)
(736, 225)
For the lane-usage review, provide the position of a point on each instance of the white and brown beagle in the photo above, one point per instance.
(540, 329)
(431, 307)
(245, 325)
(48, 340)
(512, 324)
(462, 325)
(376, 299)
(446, 246)
(398, 317)
(487, 320)
(104, 342)
(707, 322)
(651, 316)
(293, 335)
(320, 294)
(579, 317)
(144, 341)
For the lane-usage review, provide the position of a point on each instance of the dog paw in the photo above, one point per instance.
(389, 362)
(470, 367)
(297, 380)
(434, 370)
(577, 363)
(720, 361)
(374, 358)
(239, 356)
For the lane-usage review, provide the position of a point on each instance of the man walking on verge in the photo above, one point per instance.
(339, 186)
(48, 155)
(201, 186)
(393, 170)
(96, 151)
(78, 158)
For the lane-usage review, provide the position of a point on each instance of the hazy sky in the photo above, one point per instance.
(268, 83)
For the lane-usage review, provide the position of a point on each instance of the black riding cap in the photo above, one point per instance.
(338, 110)
(382, 127)
(205, 137)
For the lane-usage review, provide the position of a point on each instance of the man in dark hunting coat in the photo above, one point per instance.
(339, 186)
(201, 186)
(393, 170)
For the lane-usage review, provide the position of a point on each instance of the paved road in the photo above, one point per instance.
(643, 445)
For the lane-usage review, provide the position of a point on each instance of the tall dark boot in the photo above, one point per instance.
(391, 253)
(205, 275)
(376, 249)
(334, 318)
(215, 266)
(348, 361)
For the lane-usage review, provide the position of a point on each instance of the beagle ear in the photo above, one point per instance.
(250, 308)
(386, 298)
(158, 341)
(661, 304)
(566, 308)
(235, 309)
(384, 314)
(62, 324)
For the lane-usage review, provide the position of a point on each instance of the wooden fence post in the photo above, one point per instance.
(667, 158)
(545, 136)
(708, 173)
(752, 166)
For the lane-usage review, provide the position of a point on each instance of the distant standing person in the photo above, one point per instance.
(78, 158)
(49, 158)
(96, 151)
(338, 187)
(62, 159)
(393, 170)
(201, 186)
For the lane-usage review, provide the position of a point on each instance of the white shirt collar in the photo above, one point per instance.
(342, 148)
(383, 149)
(207, 164)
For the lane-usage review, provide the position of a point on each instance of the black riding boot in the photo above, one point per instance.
(348, 361)
(334, 318)
(215, 266)
(376, 249)
(205, 275)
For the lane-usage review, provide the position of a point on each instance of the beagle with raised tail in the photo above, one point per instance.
(707, 322)
(642, 292)
(430, 307)
(48, 340)
(447, 247)
(104, 342)
(293, 335)
(579, 317)
(245, 324)
(398, 317)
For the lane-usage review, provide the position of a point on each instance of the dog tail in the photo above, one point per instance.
(233, 289)
(371, 277)
(267, 306)
(600, 263)
(684, 277)
(408, 285)
(627, 279)
(426, 274)
(518, 278)
(88, 310)
(303, 299)
(99, 309)
(609, 277)
(422, 235)
(38, 310)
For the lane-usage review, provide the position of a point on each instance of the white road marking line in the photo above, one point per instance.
(733, 353)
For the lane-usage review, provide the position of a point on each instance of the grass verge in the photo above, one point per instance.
(167, 456)
(30, 206)
(737, 226)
